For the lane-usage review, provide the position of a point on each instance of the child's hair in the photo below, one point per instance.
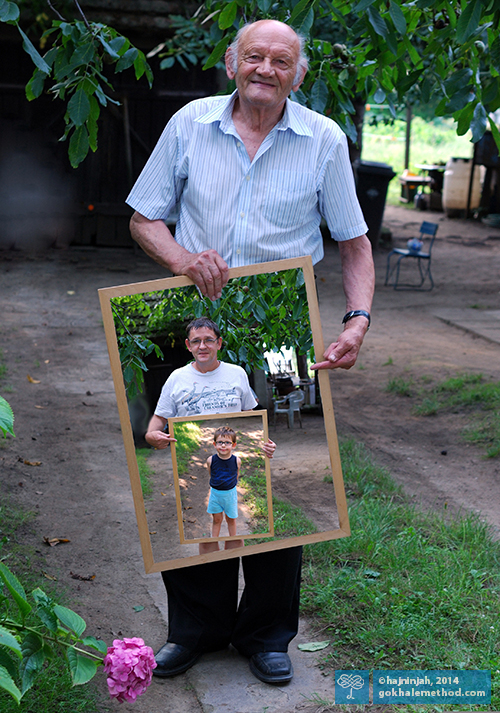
(225, 431)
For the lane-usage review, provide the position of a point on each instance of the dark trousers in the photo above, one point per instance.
(203, 609)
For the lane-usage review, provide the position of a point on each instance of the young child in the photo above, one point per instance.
(223, 468)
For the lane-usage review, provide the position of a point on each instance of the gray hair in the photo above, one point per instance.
(302, 63)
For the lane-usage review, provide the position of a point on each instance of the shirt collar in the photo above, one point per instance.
(223, 113)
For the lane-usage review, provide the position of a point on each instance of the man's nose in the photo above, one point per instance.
(265, 67)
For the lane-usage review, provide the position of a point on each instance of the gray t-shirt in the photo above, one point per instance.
(189, 392)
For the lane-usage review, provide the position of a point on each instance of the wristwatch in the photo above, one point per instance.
(357, 313)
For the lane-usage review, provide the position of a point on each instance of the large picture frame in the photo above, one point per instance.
(338, 524)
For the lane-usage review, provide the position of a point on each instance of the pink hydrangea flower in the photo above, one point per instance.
(129, 665)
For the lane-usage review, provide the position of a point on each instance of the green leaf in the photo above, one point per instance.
(464, 120)
(479, 122)
(468, 22)
(9, 12)
(495, 53)
(217, 53)
(83, 55)
(6, 418)
(314, 646)
(109, 49)
(79, 107)
(9, 663)
(34, 88)
(397, 17)
(362, 5)
(82, 669)
(228, 15)
(16, 589)
(70, 619)
(94, 643)
(264, 6)
(494, 130)
(319, 96)
(377, 22)
(8, 684)
(127, 59)
(167, 63)
(33, 659)
(9, 640)
(300, 8)
(304, 22)
(33, 53)
(78, 146)
(459, 100)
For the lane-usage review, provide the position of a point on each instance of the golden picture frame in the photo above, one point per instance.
(317, 474)
(211, 421)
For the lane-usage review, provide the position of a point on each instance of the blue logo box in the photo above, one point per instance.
(352, 687)
(432, 687)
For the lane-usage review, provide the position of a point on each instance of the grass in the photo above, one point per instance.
(52, 690)
(407, 589)
(188, 435)
(400, 386)
(474, 396)
(431, 142)
(145, 471)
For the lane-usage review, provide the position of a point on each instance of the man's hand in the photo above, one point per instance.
(343, 353)
(207, 270)
(159, 439)
(269, 448)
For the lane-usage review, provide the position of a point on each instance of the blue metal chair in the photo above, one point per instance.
(421, 254)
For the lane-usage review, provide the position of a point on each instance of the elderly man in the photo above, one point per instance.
(252, 175)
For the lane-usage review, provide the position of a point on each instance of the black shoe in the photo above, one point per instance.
(272, 667)
(173, 659)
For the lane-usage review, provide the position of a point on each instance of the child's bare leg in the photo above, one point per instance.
(205, 547)
(231, 526)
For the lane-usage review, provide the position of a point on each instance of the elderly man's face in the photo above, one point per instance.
(267, 64)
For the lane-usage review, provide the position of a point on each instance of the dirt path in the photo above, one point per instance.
(51, 330)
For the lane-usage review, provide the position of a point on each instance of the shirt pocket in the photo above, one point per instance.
(289, 197)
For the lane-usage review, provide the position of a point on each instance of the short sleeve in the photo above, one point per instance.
(157, 190)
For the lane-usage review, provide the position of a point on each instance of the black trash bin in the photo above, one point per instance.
(372, 180)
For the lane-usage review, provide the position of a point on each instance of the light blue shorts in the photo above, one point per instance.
(223, 501)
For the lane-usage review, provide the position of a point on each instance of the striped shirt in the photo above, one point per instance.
(250, 211)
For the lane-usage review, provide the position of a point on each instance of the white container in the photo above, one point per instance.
(456, 184)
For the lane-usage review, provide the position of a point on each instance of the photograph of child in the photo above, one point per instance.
(224, 468)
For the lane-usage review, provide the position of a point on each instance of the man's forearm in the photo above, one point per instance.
(358, 273)
(158, 242)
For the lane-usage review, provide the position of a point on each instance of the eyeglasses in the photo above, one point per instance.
(223, 443)
(210, 341)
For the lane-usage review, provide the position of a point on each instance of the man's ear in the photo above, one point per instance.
(229, 63)
(302, 75)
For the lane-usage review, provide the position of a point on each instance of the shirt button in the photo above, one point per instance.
(242, 214)
(238, 145)
(248, 178)
(238, 252)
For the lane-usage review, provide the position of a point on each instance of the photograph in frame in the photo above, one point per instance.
(309, 502)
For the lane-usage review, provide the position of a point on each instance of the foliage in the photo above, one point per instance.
(73, 66)
(26, 647)
(385, 51)
(255, 314)
(6, 418)
(408, 589)
(389, 52)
